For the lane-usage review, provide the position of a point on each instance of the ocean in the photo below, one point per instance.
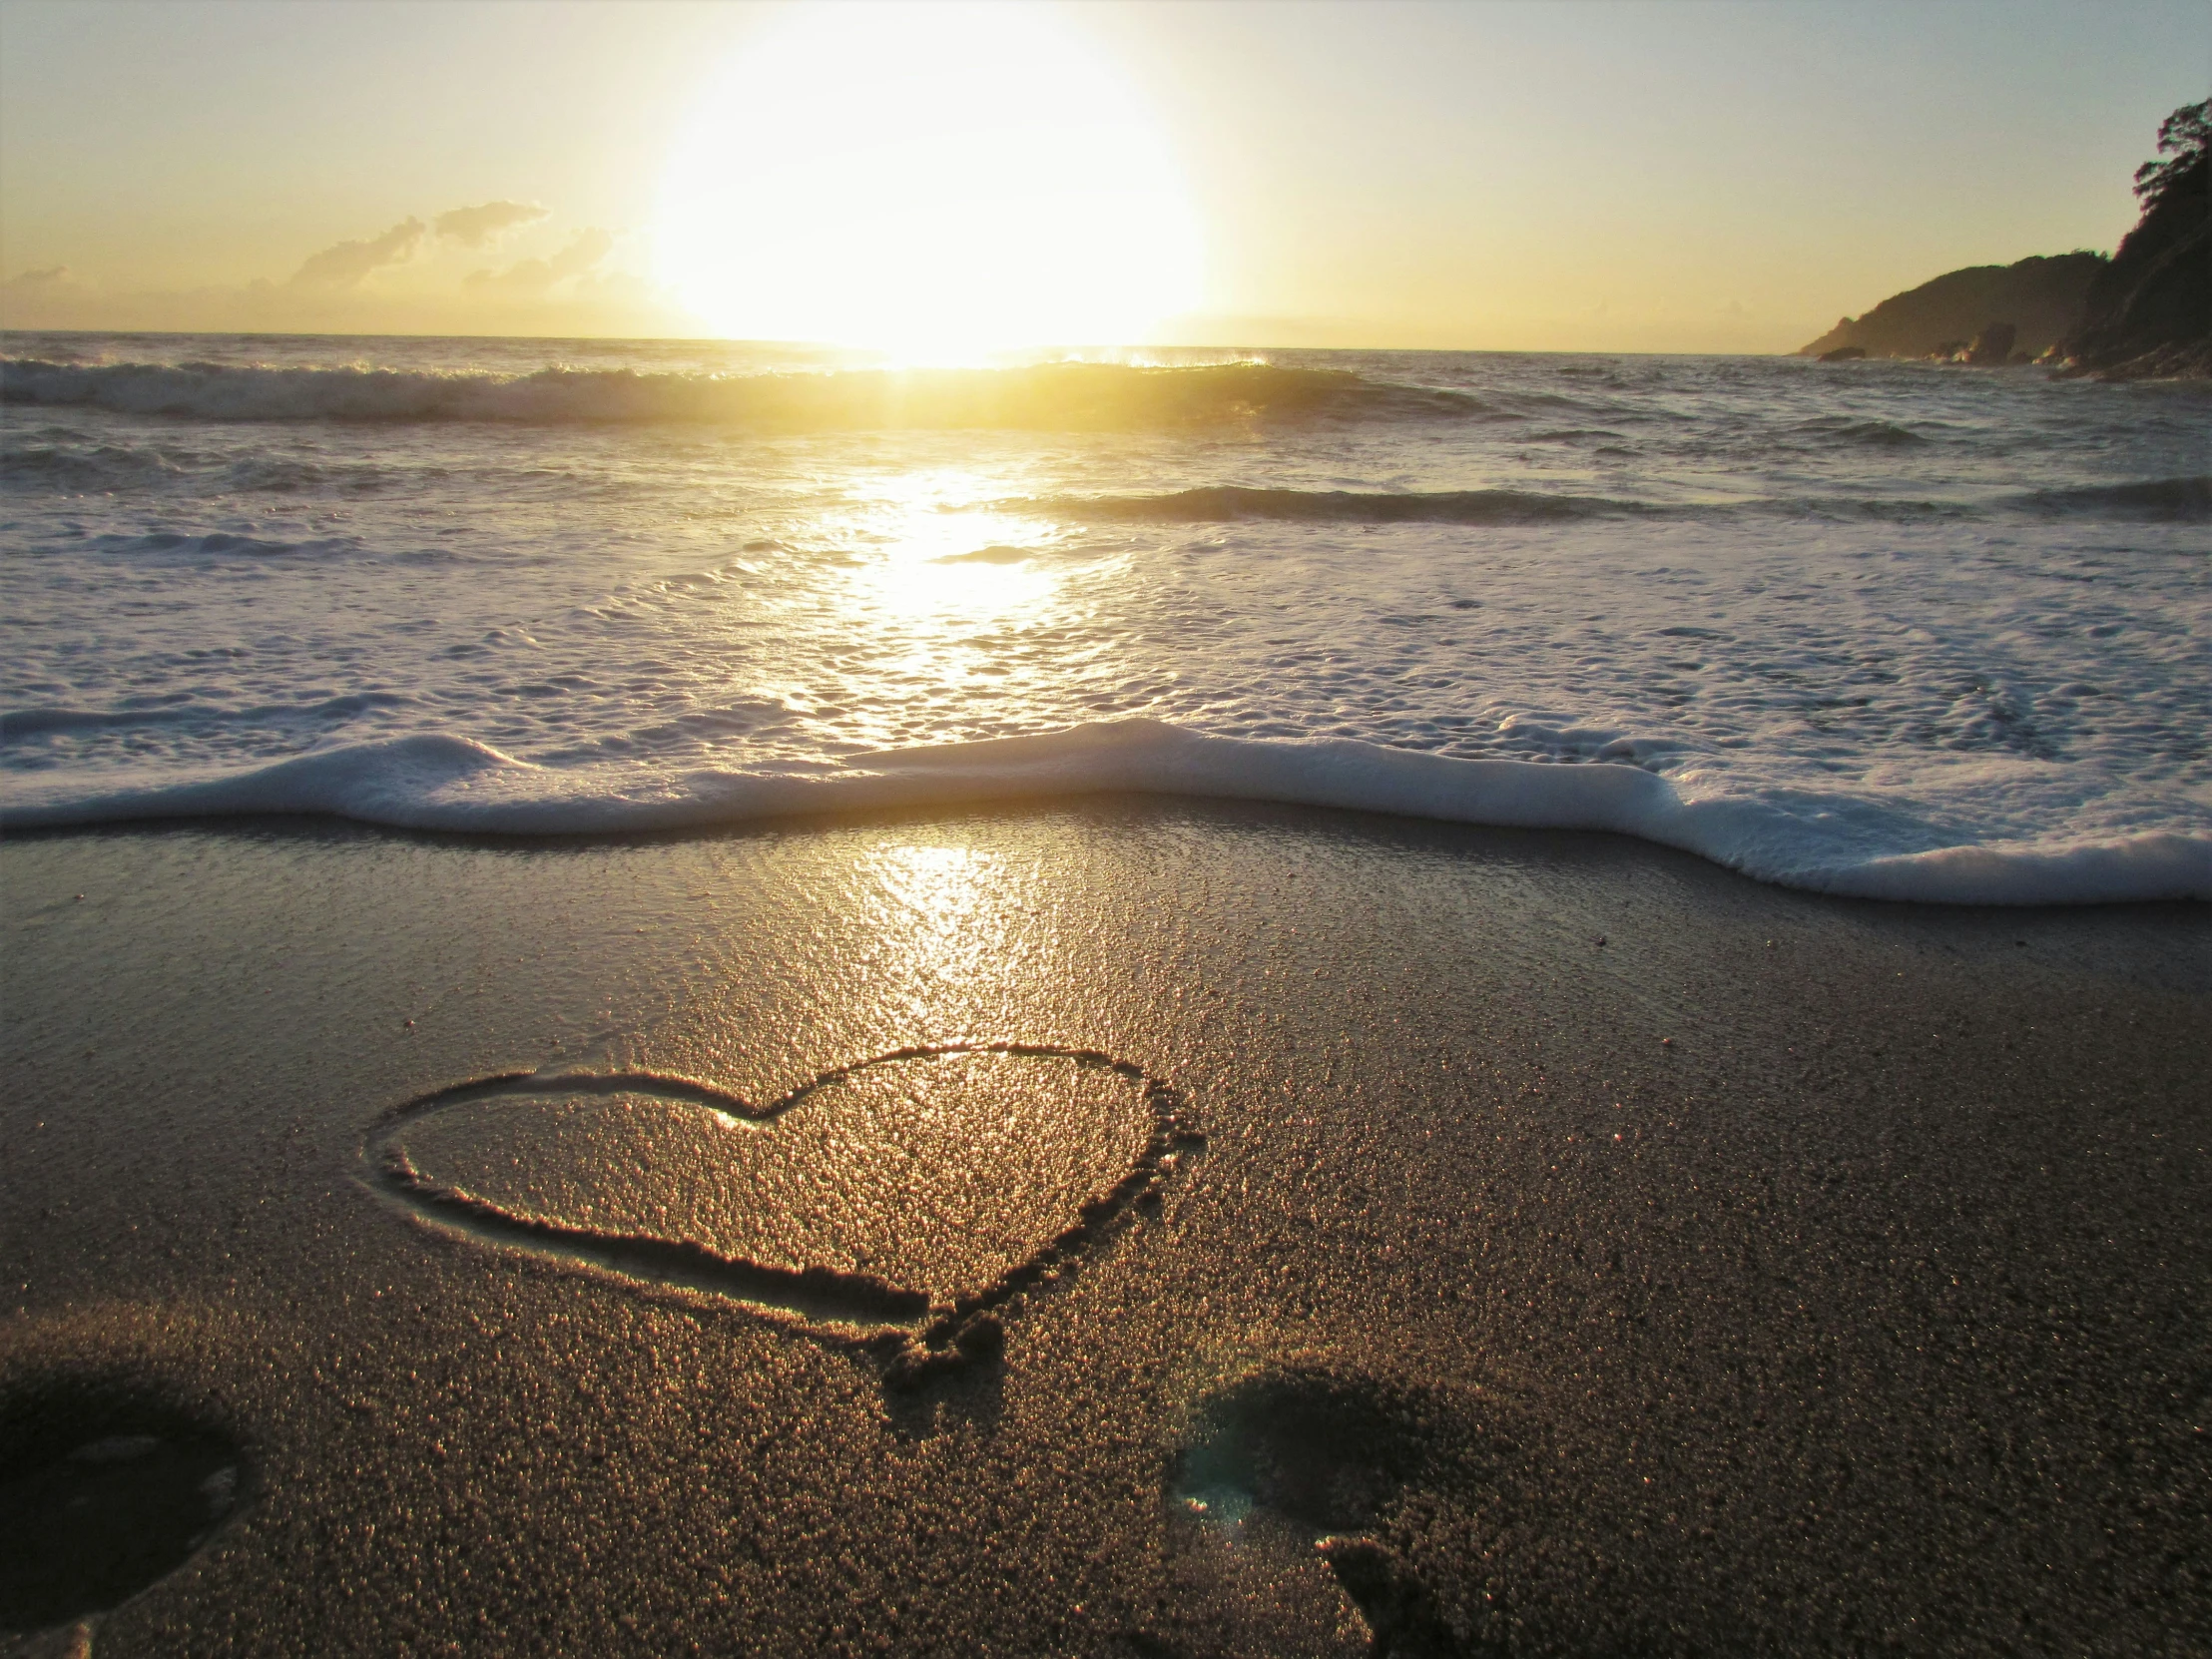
(1880, 629)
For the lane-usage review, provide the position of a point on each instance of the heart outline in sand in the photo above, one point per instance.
(915, 1334)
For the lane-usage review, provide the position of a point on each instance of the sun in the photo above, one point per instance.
(936, 181)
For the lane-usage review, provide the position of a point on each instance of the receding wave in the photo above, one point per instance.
(1825, 843)
(1064, 396)
(2173, 500)
(1226, 503)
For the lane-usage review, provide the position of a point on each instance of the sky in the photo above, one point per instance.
(1586, 176)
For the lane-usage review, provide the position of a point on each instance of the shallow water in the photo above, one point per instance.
(1876, 628)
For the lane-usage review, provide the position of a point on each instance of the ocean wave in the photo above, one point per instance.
(67, 467)
(35, 721)
(1226, 503)
(2187, 501)
(1070, 396)
(82, 469)
(1841, 844)
(1232, 503)
(1872, 434)
(2168, 500)
(179, 544)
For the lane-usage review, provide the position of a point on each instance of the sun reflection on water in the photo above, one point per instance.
(930, 611)
(939, 559)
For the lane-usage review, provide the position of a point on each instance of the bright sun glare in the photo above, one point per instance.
(936, 181)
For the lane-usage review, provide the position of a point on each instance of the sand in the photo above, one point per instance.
(1605, 1253)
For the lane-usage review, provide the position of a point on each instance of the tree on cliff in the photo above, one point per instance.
(2183, 139)
(2149, 312)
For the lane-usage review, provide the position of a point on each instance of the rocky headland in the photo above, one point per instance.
(2043, 300)
(2145, 312)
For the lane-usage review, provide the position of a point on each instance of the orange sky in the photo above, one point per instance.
(1686, 177)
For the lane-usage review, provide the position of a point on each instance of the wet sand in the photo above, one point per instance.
(1607, 1255)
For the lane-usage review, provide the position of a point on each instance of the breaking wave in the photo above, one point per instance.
(1072, 396)
(1825, 843)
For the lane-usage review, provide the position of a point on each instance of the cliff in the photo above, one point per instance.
(2043, 298)
(2149, 312)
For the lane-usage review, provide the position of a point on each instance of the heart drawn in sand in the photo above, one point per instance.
(895, 1204)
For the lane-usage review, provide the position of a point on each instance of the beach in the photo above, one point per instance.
(1104, 831)
(1608, 1254)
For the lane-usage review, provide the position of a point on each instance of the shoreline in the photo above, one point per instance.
(1611, 1250)
(1837, 845)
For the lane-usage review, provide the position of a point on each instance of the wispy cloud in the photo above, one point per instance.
(479, 225)
(343, 266)
(529, 276)
(30, 296)
(578, 289)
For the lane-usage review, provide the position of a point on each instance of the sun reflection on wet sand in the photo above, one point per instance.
(943, 914)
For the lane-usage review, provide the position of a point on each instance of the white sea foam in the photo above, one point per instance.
(1841, 844)
(1900, 632)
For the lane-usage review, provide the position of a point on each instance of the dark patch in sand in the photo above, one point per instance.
(104, 1489)
(1397, 1607)
(1317, 1508)
(1282, 1476)
(912, 1244)
(1330, 1450)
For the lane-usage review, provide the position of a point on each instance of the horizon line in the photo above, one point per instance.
(864, 350)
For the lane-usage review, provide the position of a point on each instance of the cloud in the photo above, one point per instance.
(583, 250)
(343, 266)
(579, 289)
(476, 227)
(47, 298)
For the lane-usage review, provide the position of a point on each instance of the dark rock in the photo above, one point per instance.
(1992, 346)
(1844, 354)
